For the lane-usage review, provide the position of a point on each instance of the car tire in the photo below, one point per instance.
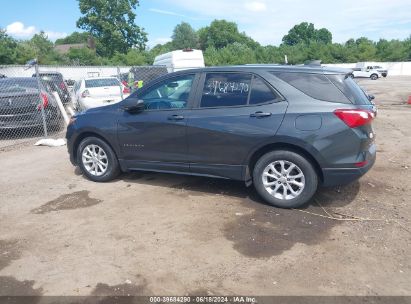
(374, 76)
(104, 164)
(304, 187)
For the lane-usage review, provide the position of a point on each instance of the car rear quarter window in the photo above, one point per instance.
(350, 89)
(225, 89)
(106, 82)
(317, 86)
(261, 92)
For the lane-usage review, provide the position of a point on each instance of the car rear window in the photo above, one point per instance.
(17, 85)
(350, 89)
(52, 77)
(106, 82)
(317, 86)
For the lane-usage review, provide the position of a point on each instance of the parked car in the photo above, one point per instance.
(20, 104)
(381, 70)
(372, 66)
(98, 92)
(285, 129)
(70, 84)
(366, 73)
(58, 79)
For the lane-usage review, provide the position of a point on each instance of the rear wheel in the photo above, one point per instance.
(285, 179)
(374, 76)
(97, 160)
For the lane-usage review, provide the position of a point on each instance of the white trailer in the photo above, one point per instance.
(180, 60)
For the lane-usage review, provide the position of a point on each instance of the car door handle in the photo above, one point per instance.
(260, 114)
(175, 117)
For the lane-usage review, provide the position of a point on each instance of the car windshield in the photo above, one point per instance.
(103, 82)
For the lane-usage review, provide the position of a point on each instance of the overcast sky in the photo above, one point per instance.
(267, 21)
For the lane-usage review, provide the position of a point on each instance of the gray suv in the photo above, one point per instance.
(285, 129)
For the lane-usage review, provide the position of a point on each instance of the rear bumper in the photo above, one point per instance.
(343, 176)
(28, 120)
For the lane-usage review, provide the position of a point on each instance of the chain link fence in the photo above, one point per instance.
(37, 101)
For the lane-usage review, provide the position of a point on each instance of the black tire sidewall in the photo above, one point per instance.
(113, 167)
(374, 76)
(311, 178)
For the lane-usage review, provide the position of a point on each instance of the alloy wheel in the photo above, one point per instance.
(95, 160)
(283, 179)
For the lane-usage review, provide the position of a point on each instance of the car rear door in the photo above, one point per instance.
(235, 112)
(156, 139)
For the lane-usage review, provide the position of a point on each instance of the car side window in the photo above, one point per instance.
(170, 94)
(261, 93)
(225, 89)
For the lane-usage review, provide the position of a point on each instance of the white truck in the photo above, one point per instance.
(180, 60)
(366, 72)
(372, 66)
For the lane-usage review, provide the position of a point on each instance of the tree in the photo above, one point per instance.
(184, 36)
(222, 33)
(306, 33)
(112, 23)
(43, 49)
(365, 49)
(8, 48)
(83, 56)
(133, 57)
(323, 36)
(73, 38)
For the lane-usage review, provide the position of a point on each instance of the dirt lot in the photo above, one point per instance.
(173, 235)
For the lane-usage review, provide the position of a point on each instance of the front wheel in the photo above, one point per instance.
(285, 179)
(97, 160)
(374, 76)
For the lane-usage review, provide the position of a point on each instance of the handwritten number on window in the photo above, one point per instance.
(216, 87)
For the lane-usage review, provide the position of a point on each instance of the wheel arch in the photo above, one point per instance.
(86, 134)
(255, 156)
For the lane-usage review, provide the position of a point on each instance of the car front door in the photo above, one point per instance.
(235, 112)
(155, 138)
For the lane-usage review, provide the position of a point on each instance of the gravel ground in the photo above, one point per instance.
(147, 233)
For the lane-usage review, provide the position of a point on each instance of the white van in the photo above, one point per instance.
(181, 60)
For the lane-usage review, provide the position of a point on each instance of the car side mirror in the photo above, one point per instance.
(133, 105)
(371, 97)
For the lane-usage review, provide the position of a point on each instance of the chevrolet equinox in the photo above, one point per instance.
(285, 129)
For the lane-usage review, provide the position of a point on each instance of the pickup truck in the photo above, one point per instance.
(367, 72)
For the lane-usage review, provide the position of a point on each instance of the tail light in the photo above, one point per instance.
(62, 85)
(126, 90)
(85, 93)
(355, 117)
(124, 83)
(45, 102)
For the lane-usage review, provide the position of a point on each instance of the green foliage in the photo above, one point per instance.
(235, 53)
(73, 38)
(221, 42)
(306, 33)
(133, 57)
(184, 36)
(7, 48)
(112, 24)
(83, 56)
(222, 33)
